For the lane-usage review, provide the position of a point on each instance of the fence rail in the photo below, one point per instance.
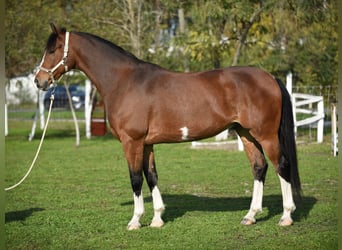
(305, 104)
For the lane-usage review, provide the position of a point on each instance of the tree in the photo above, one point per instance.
(124, 22)
(298, 37)
(26, 33)
(278, 36)
(219, 30)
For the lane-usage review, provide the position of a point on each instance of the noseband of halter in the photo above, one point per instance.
(61, 62)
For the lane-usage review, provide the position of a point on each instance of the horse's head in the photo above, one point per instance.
(54, 62)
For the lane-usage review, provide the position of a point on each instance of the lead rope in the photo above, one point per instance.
(52, 97)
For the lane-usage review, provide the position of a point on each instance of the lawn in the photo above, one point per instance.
(80, 197)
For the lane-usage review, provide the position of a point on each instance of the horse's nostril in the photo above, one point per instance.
(36, 81)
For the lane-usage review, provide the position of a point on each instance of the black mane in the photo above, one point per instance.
(111, 45)
(51, 43)
(118, 49)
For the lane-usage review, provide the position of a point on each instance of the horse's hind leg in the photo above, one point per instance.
(279, 162)
(150, 172)
(259, 168)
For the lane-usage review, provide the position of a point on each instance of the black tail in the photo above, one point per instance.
(288, 160)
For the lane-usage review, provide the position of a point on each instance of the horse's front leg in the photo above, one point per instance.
(150, 172)
(134, 155)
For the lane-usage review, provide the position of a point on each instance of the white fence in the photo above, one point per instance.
(334, 131)
(311, 106)
(305, 104)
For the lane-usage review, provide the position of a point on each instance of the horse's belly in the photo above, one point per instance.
(193, 127)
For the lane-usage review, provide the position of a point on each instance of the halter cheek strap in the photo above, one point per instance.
(61, 62)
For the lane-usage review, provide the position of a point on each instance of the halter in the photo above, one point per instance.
(61, 62)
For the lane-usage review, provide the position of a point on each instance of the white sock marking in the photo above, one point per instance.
(157, 199)
(138, 211)
(287, 195)
(256, 204)
(158, 207)
(139, 204)
(257, 195)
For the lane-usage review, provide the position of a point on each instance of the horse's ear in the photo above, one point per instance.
(53, 28)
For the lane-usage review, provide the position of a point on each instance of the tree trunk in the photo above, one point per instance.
(244, 34)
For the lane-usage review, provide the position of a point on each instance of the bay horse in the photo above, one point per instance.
(147, 104)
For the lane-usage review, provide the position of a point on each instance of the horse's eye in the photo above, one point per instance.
(54, 49)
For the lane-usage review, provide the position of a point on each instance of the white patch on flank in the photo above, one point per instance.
(185, 133)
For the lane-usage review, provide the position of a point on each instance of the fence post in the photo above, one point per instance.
(6, 120)
(87, 108)
(320, 123)
(293, 99)
(41, 108)
(334, 128)
(289, 82)
(240, 144)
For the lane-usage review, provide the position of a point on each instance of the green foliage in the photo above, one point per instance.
(26, 26)
(80, 198)
(279, 36)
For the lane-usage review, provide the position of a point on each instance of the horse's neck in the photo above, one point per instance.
(101, 67)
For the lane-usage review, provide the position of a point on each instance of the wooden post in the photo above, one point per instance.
(39, 113)
(6, 120)
(293, 99)
(181, 18)
(320, 123)
(289, 82)
(41, 108)
(77, 129)
(240, 144)
(334, 128)
(87, 108)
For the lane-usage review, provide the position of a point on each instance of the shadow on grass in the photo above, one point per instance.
(21, 215)
(179, 204)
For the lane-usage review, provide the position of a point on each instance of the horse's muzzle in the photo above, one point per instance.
(41, 85)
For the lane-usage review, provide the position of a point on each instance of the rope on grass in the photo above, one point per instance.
(39, 147)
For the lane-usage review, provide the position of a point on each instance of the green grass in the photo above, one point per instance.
(80, 198)
(58, 113)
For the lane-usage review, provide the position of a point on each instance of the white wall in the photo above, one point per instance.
(19, 86)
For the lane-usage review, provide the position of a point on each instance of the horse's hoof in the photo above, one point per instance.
(247, 222)
(134, 226)
(285, 222)
(157, 223)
